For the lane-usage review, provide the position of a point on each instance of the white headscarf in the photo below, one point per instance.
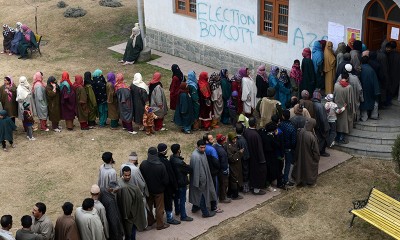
(23, 89)
(18, 27)
(135, 33)
(138, 81)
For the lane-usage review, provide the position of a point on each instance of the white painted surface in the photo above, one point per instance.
(308, 21)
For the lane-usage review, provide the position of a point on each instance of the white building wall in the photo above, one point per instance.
(232, 25)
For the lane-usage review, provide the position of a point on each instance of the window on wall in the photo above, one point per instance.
(187, 7)
(274, 18)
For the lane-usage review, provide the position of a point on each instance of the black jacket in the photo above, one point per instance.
(181, 170)
(172, 183)
(155, 174)
(222, 156)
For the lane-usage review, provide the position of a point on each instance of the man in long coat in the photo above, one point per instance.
(131, 206)
(306, 158)
(257, 162)
(394, 70)
(322, 126)
(66, 228)
(343, 93)
(108, 197)
(201, 188)
(370, 84)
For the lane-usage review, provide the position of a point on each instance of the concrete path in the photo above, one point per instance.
(165, 61)
(188, 230)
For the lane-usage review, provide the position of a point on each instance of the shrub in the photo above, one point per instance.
(396, 152)
(110, 3)
(74, 12)
(61, 4)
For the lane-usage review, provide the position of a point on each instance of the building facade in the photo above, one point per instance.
(235, 33)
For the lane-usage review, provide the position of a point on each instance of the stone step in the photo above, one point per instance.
(381, 138)
(375, 126)
(366, 149)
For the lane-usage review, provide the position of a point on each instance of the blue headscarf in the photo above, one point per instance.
(97, 73)
(192, 80)
(317, 55)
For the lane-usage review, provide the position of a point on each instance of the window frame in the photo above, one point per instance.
(187, 11)
(275, 19)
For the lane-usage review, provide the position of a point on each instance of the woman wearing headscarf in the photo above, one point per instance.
(112, 101)
(340, 51)
(53, 96)
(39, 94)
(307, 69)
(329, 68)
(177, 78)
(184, 114)
(318, 62)
(216, 98)
(92, 103)
(133, 47)
(8, 36)
(296, 76)
(8, 94)
(226, 95)
(194, 94)
(273, 77)
(140, 95)
(249, 92)
(350, 44)
(24, 94)
(262, 82)
(68, 101)
(355, 55)
(17, 38)
(158, 101)
(283, 88)
(237, 86)
(125, 103)
(99, 88)
(27, 40)
(206, 108)
(81, 99)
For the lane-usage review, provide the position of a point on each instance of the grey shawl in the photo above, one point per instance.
(40, 102)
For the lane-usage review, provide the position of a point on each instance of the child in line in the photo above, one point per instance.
(7, 126)
(148, 119)
(28, 121)
(332, 110)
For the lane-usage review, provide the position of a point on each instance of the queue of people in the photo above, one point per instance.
(16, 41)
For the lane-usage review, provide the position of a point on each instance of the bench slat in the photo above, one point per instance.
(394, 214)
(379, 222)
(385, 215)
(387, 198)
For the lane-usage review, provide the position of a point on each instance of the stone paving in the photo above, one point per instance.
(189, 230)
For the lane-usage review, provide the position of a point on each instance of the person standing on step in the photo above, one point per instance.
(332, 111)
(172, 187)
(371, 91)
(201, 189)
(181, 170)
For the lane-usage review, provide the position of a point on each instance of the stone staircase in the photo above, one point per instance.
(375, 138)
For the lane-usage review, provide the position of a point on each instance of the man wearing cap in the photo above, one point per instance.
(343, 93)
(108, 197)
(172, 187)
(201, 189)
(181, 170)
(298, 120)
(156, 176)
(223, 174)
(136, 176)
(357, 90)
(42, 224)
(101, 211)
(322, 126)
(307, 103)
(131, 206)
(107, 173)
(268, 107)
(89, 223)
(65, 226)
(257, 161)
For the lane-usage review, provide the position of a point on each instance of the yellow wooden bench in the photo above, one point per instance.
(379, 210)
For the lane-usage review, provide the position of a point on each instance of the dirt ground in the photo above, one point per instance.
(60, 167)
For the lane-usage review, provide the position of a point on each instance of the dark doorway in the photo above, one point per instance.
(376, 34)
